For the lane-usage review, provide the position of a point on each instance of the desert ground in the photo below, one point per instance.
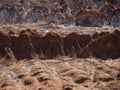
(62, 73)
(25, 65)
(59, 44)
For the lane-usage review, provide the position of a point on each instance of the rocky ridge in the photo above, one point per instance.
(67, 12)
(48, 45)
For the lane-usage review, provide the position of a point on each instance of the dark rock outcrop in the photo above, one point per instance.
(104, 47)
(32, 44)
(53, 45)
(99, 35)
(5, 43)
(22, 47)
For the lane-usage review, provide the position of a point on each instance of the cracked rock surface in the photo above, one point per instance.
(93, 13)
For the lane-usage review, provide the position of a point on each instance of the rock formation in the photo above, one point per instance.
(29, 43)
(95, 13)
(59, 45)
(104, 47)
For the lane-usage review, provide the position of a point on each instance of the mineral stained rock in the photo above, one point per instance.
(93, 13)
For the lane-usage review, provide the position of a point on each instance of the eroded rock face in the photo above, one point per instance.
(53, 45)
(105, 47)
(5, 43)
(22, 47)
(98, 35)
(30, 44)
(95, 13)
(90, 18)
(74, 43)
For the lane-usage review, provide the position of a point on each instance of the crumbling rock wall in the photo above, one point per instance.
(104, 47)
(30, 44)
(67, 12)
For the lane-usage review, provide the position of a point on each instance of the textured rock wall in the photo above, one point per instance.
(30, 44)
(67, 12)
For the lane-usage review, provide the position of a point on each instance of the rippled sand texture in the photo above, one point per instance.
(61, 74)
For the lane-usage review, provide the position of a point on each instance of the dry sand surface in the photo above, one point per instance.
(62, 73)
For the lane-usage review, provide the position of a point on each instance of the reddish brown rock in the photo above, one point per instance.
(99, 35)
(53, 45)
(104, 47)
(117, 32)
(36, 39)
(30, 44)
(74, 43)
(89, 18)
(71, 44)
(5, 42)
(23, 47)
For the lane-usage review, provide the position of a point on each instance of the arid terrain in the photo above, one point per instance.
(59, 44)
(49, 57)
(61, 74)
